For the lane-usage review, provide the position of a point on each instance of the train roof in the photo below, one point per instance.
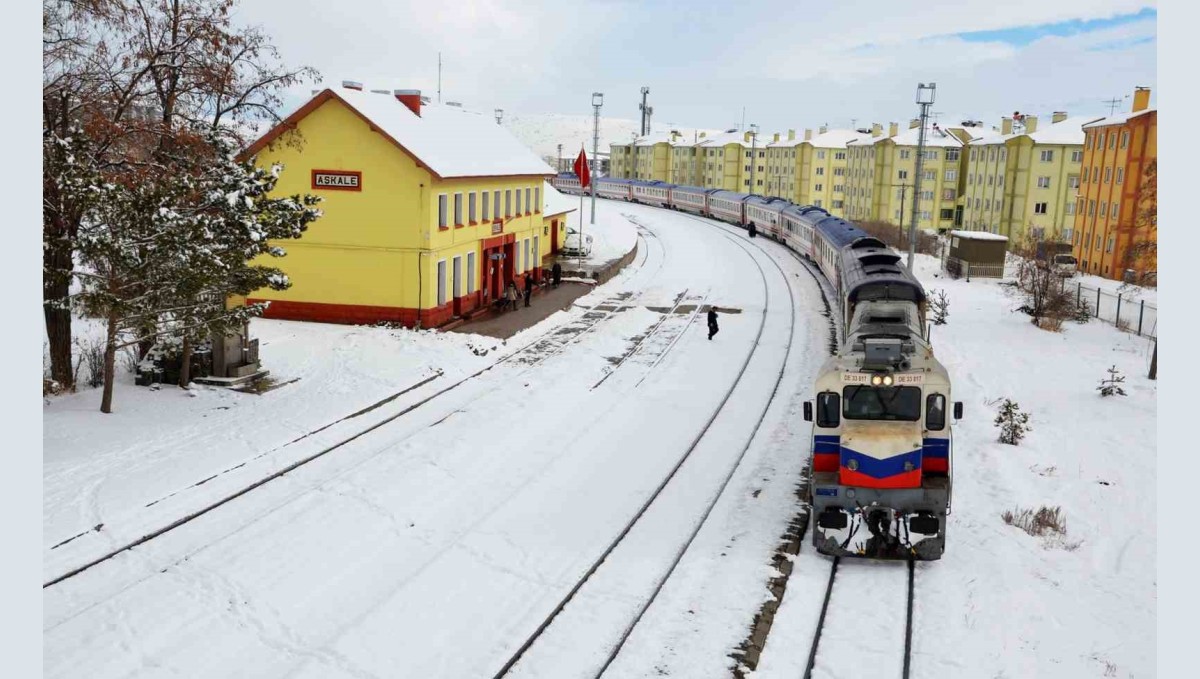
(773, 202)
(810, 211)
(839, 232)
(872, 271)
(658, 183)
(730, 195)
(615, 180)
(693, 189)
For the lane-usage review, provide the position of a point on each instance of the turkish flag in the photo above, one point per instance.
(581, 170)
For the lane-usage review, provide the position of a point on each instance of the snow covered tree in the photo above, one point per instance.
(1111, 386)
(939, 303)
(1012, 422)
(1044, 297)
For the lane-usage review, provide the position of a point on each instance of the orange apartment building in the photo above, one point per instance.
(1116, 153)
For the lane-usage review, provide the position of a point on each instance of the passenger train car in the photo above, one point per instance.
(882, 441)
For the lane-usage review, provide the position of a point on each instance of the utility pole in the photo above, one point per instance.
(925, 98)
(753, 155)
(439, 77)
(900, 226)
(597, 102)
(559, 168)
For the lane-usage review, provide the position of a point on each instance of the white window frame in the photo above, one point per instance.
(485, 200)
(443, 210)
(472, 213)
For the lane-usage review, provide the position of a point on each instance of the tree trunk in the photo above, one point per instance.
(110, 360)
(56, 287)
(185, 368)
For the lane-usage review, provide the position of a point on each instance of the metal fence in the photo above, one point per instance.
(960, 268)
(1132, 315)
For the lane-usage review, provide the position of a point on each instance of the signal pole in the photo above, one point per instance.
(925, 97)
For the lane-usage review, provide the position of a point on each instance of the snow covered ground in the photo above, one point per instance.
(435, 544)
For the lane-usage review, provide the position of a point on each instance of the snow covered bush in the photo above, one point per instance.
(1111, 386)
(1040, 286)
(1042, 522)
(1013, 423)
(939, 304)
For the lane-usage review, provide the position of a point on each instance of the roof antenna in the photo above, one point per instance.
(439, 77)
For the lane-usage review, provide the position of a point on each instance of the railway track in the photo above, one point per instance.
(866, 623)
(527, 356)
(529, 643)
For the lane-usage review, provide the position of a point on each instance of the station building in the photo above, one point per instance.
(429, 211)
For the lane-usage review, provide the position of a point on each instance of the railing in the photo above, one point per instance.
(1132, 315)
(960, 268)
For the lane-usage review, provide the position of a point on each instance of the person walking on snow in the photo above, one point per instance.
(712, 322)
(557, 273)
(511, 295)
(528, 287)
(753, 230)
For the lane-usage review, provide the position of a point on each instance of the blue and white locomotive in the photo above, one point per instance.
(882, 442)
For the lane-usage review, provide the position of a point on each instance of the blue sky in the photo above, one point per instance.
(790, 64)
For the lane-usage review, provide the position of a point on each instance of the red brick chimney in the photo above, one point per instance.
(411, 99)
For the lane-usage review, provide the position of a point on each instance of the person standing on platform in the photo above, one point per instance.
(712, 322)
(528, 287)
(557, 273)
(512, 296)
(753, 230)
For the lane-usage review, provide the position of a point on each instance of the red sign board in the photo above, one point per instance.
(497, 227)
(337, 180)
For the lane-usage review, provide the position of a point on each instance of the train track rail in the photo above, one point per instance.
(528, 356)
(521, 652)
(906, 665)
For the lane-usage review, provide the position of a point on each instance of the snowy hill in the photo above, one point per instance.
(543, 132)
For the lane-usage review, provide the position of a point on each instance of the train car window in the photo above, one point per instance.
(882, 403)
(935, 412)
(828, 409)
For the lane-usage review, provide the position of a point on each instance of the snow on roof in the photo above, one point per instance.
(1118, 118)
(978, 235)
(933, 137)
(450, 141)
(1066, 131)
(835, 139)
(556, 202)
(785, 143)
(868, 140)
(652, 139)
(725, 138)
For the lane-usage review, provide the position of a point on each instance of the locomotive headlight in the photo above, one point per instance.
(887, 380)
(876, 380)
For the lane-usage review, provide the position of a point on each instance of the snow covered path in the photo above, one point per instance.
(433, 545)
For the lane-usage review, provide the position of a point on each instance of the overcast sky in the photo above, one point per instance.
(791, 64)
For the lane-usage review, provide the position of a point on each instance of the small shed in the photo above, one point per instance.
(976, 253)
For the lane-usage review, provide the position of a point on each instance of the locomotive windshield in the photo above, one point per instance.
(881, 403)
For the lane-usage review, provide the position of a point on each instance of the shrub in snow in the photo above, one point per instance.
(1044, 521)
(1082, 313)
(1045, 298)
(1012, 422)
(939, 303)
(1111, 386)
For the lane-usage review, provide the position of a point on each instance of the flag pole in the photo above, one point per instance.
(581, 241)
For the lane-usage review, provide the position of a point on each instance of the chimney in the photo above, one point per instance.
(914, 123)
(807, 135)
(411, 99)
(351, 85)
(776, 137)
(1030, 124)
(876, 129)
(791, 135)
(893, 129)
(1141, 99)
(823, 129)
(316, 92)
(1006, 125)
(1058, 117)
(746, 135)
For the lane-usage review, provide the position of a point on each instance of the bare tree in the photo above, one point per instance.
(1142, 254)
(1040, 284)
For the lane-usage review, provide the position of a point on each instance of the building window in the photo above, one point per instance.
(837, 204)
(903, 174)
(839, 155)
(441, 282)
(1103, 208)
(458, 209)
(1073, 181)
(484, 198)
(1076, 156)
(443, 202)
(1091, 208)
(518, 201)
(507, 203)
(817, 203)
(947, 194)
(1124, 138)
(1047, 156)
(951, 175)
(820, 171)
(973, 153)
(904, 154)
(837, 188)
(1115, 209)
(1070, 209)
(987, 204)
(978, 203)
(471, 207)
(931, 155)
(1112, 140)
(471, 272)
(1120, 175)
(990, 178)
(821, 154)
(947, 213)
(952, 154)
(971, 179)
(925, 215)
(1039, 208)
(528, 203)
(1043, 182)
(1107, 174)
(496, 205)
(927, 195)
(839, 171)
(818, 187)
(1111, 241)
(537, 199)
(930, 175)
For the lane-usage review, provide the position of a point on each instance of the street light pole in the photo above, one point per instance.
(925, 97)
(597, 102)
(559, 168)
(900, 226)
